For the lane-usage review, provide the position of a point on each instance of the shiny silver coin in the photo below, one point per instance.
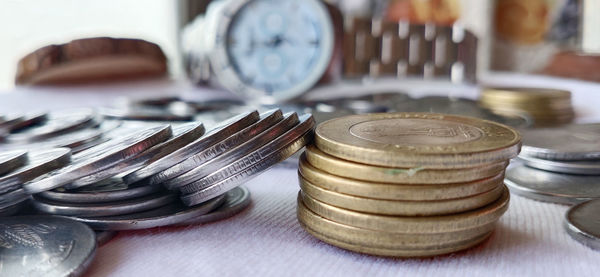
(146, 114)
(103, 209)
(570, 167)
(28, 121)
(109, 190)
(103, 237)
(268, 119)
(236, 200)
(45, 246)
(12, 198)
(10, 120)
(570, 142)
(246, 174)
(164, 216)
(40, 163)
(582, 223)
(57, 123)
(222, 132)
(275, 145)
(98, 158)
(12, 160)
(552, 187)
(75, 140)
(182, 135)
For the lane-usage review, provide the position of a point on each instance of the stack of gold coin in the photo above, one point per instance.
(545, 106)
(405, 184)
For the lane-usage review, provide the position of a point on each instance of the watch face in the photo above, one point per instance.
(274, 50)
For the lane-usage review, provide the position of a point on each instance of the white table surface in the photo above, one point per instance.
(266, 239)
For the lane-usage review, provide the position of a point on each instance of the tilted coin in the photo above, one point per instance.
(103, 237)
(28, 121)
(583, 223)
(247, 173)
(182, 135)
(220, 161)
(98, 158)
(171, 214)
(45, 246)
(56, 124)
(277, 144)
(12, 160)
(552, 187)
(410, 140)
(74, 140)
(40, 162)
(417, 175)
(380, 190)
(226, 129)
(103, 209)
(569, 167)
(571, 142)
(109, 190)
(10, 121)
(520, 94)
(267, 120)
(236, 200)
(12, 198)
(145, 113)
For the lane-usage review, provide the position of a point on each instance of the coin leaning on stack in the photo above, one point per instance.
(405, 184)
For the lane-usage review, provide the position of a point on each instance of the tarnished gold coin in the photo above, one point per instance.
(522, 95)
(418, 175)
(397, 207)
(410, 225)
(372, 238)
(417, 140)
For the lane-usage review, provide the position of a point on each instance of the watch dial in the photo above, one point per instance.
(276, 45)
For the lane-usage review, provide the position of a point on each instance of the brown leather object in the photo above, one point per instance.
(575, 65)
(92, 60)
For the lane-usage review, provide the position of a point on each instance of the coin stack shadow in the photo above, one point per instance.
(547, 107)
(353, 198)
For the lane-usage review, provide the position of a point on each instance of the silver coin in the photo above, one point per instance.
(570, 167)
(582, 223)
(28, 121)
(552, 187)
(236, 200)
(182, 135)
(56, 124)
(570, 142)
(40, 162)
(45, 246)
(12, 160)
(11, 120)
(103, 209)
(74, 140)
(98, 158)
(12, 198)
(109, 190)
(246, 174)
(267, 120)
(209, 166)
(227, 129)
(103, 237)
(275, 145)
(164, 216)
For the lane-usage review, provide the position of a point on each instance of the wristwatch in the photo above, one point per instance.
(273, 51)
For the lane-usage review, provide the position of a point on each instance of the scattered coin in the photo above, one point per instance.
(583, 223)
(12, 198)
(40, 162)
(56, 124)
(571, 142)
(28, 121)
(569, 167)
(12, 160)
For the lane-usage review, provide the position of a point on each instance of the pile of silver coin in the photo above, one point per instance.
(562, 165)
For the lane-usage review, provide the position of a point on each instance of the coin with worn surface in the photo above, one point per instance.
(171, 214)
(236, 200)
(409, 140)
(108, 190)
(247, 173)
(226, 129)
(571, 142)
(417, 175)
(203, 169)
(98, 158)
(56, 124)
(583, 223)
(45, 246)
(552, 187)
(277, 144)
(103, 237)
(380, 190)
(40, 162)
(400, 207)
(183, 135)
(103, 209)
(12, 160)
(267, 120)
(570, 167)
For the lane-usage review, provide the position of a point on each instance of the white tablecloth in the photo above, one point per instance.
(266, 239)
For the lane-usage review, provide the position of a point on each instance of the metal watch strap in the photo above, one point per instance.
(377, 48)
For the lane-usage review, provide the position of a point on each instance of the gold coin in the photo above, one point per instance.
(395, 191)
(409, 225)
(516, 94)
(400, 208)
(417, 140)
(339, 167)
(372, 238)
(558, 104)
